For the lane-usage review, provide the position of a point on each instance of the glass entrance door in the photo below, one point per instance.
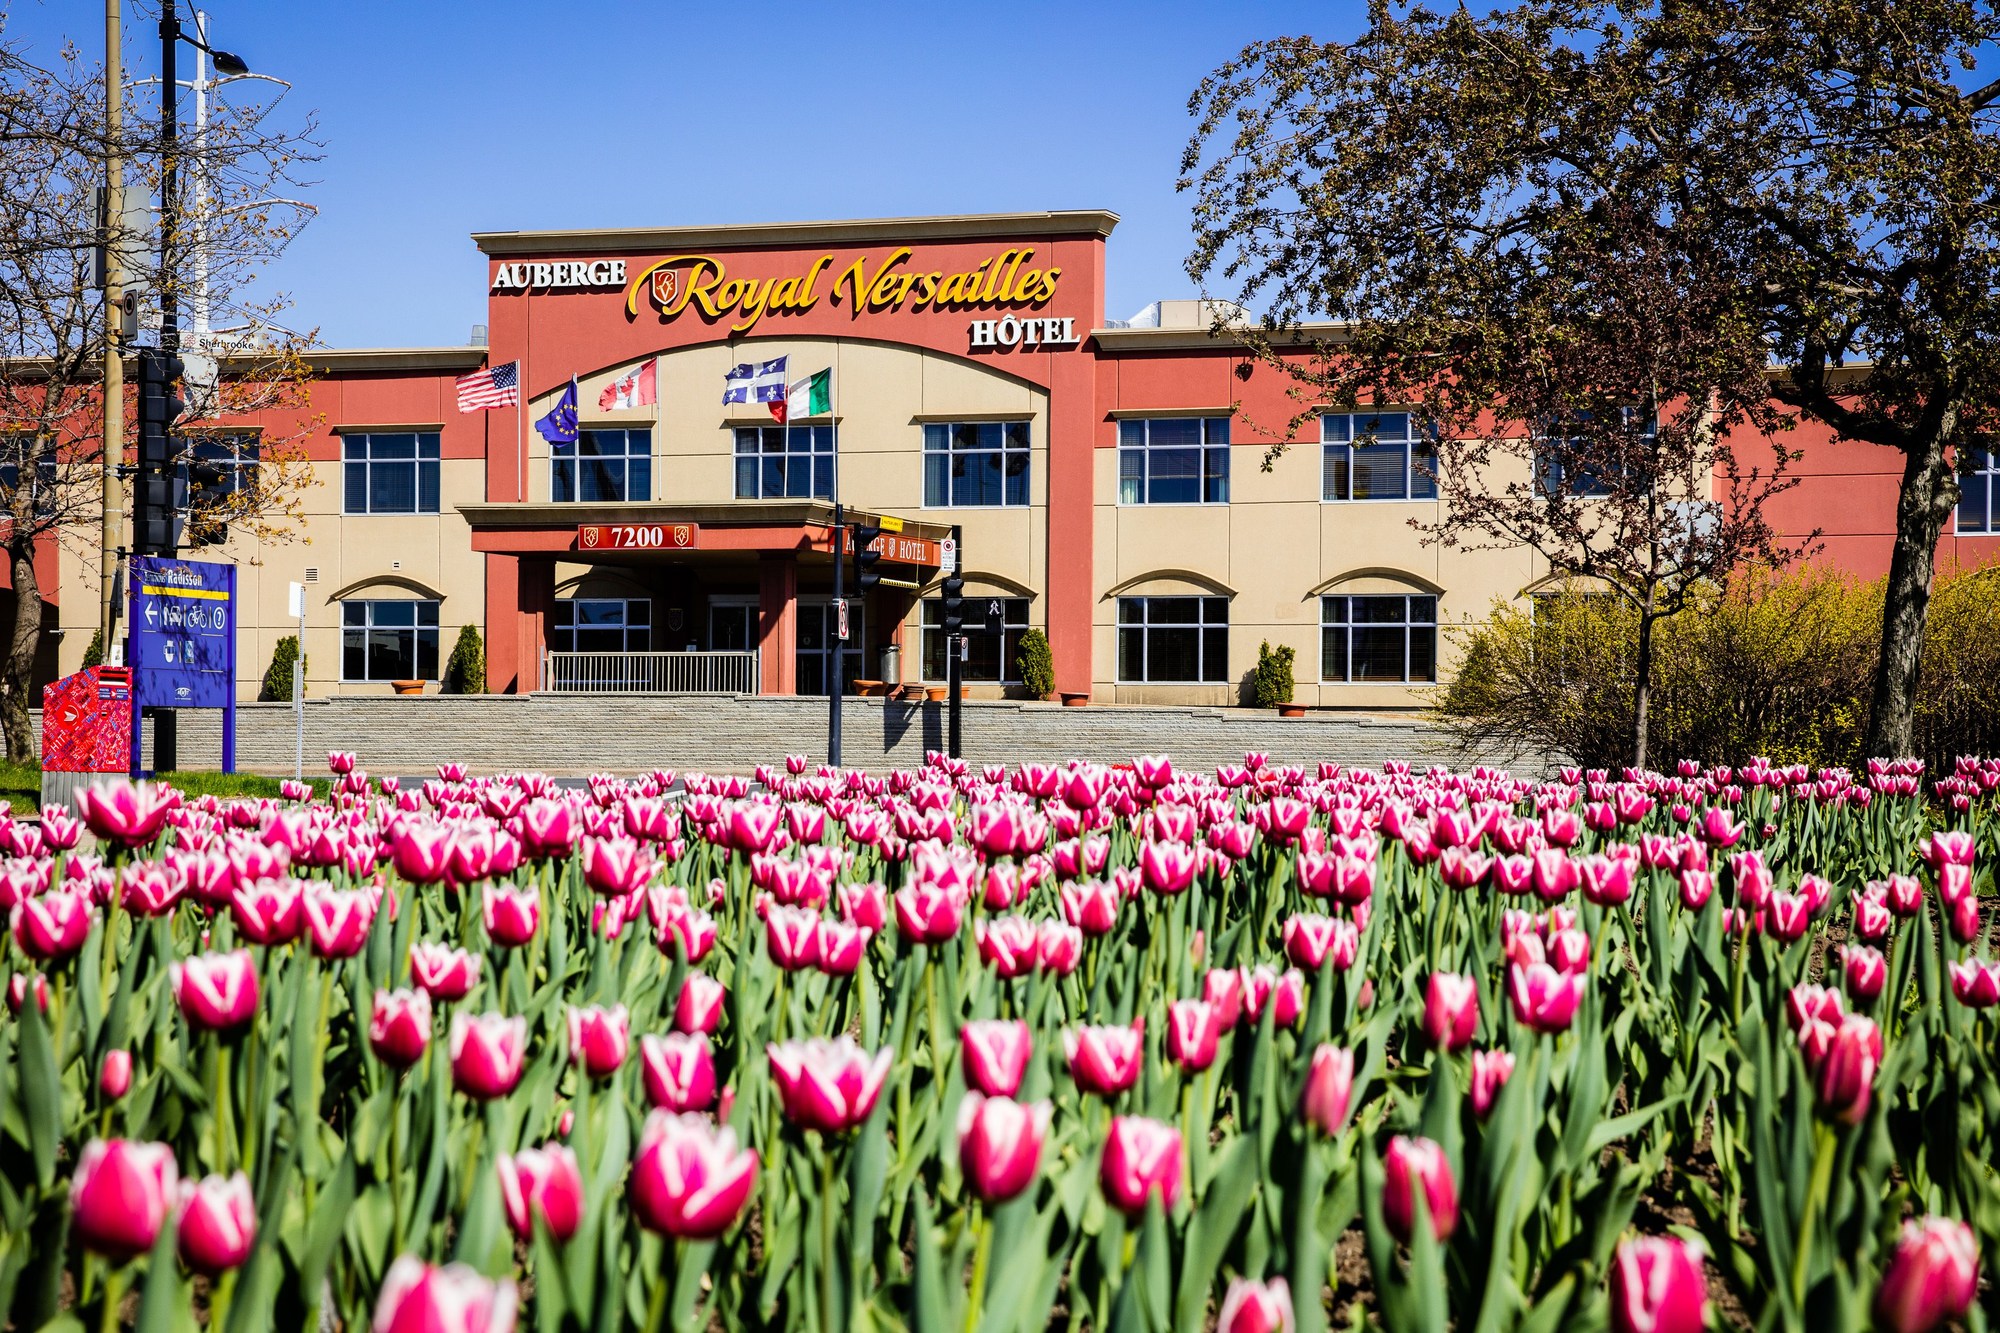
(732, 626)
(817, 645)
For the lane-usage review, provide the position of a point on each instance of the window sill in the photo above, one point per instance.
(1385, 500)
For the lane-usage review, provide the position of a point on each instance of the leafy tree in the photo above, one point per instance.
(1730, 215)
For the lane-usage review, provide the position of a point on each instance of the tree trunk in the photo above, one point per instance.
(1642, 684)
(17, 675)
(1927, 499)
(1929, 492)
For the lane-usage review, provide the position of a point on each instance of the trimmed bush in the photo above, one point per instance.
(465, 671)
(1272, 684)
(93, 655)
(277, 685)
(1037, 665)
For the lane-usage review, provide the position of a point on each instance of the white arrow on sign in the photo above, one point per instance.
(152, 612)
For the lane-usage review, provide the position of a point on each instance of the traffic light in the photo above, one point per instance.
(866, 575)
(204, 477)
(954, 603)
(158, 496)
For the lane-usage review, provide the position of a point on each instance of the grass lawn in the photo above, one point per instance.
(21, 785)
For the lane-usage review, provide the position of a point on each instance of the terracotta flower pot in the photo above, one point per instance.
(1075, 700)
(869, 689)
(936, 693)
(1291, 710)
(407, 686)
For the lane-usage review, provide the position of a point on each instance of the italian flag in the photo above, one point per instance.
(810, 397)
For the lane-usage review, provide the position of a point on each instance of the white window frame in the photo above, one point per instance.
(1025, 451)
(1330, 426)
(1407, 625)
(624, 627)
(1145, 448)
(416, 630)
(1987, 475)
(1202, 627)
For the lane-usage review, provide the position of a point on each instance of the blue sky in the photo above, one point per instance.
(440, 119)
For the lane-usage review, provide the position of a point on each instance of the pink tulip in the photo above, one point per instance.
(1223, 988)
(1451, 1010)
(1872, 917)
(1975, 982)
(1194, 1028)
(751, 827)
(1142, 1158)
(53, 925)
(1845, 1076)
(1000, 1144)
(338, 920)
(17, 992)
(841, 947)
(218, 1223)
(1105, 1060)
(1948, 847)
(114, 1075)
(1090, 905)
(996, 1052)
(928, 912)
(1867, 971)
(616, 866)
(791, 936)
(1286, 994)
(1007, 944)
(690, 1178)
(1490, 1072)
(127, 814)
(1411, 1165)
(511, 915)
(442, 972)
(1904, 894)
(599, 1038)
(417, 1298)
(120, 1194)
(150, 888)
(543, 1183)
(215, 991)
(1058, 948)
(1544, 999)
(1329, 1090)
(1718, 829)
(1256, 1307)
(1607, 880)
(422, 852)
(698, 1008)
(486, 1053)
(549, 828)
(825, 1085)
(679, 1071)
(1311, 939)
(864, 905)
(1166, 867)
(1932, 1277)
(1657, 1286)
(1965, 919)
(399, 1027)
(1788, 915)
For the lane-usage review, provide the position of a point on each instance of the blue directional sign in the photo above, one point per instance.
(183, 633)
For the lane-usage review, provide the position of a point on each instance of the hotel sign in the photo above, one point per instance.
(867, 286)
(638, 536)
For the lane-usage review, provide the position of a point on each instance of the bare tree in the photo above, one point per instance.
(1818, 180)
(54, 147)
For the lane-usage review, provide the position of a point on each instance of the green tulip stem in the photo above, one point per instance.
(827, 1211)
(396, 1171)
(1822, 1178)
(982, 1255)
(114, 1295)
(221, 1102)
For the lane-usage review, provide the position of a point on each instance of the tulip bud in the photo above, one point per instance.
(1414, 1164)
(120, 1195)
(1544, 999)
(399, 1027)
(1867, 971)
(679, 1071)
(699, 1006)
(1329, 1090)
(542, 1182)
(825, 1085)
(1141, 1158)
(1194, 1028)
(1490, 1072)
(1000, 1144)
(114, 1076)
(1657, 1286)
(17, 991)
(215, 991)
(1845, 1077)
(486, 1053)
(599, 1038)
(1451, 1010)
(1975, 982)
(1223, 988)
(1256, 1307)
(417, 1298)
(443, 972)
(996, 1055)
(1932, 1277)
(689, 1178)
(1105, 1060)
(218, 1223)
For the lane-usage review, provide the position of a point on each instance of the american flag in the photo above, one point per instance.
(499, 386)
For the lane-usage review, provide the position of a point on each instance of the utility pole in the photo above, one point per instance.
(836, 635)
(114, 241)
(165, 721)
(954, 643)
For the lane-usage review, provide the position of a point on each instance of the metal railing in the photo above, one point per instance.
(650, 673)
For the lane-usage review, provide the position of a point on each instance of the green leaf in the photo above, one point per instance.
(41, 1093)
(161, 1304)
(1214, 1225)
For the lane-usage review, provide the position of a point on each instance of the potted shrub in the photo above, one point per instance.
(1037, 665)
(1271, 685)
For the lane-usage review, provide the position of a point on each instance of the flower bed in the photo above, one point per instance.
(1117, 1047)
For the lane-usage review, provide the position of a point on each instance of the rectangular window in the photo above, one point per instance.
(43, 481)
(784, 462)
(1566, 466)
(989, 658)
(1376, 456)
(1173, 461)
(1370, 640)
(1979, 486)
(1173, 640)
(975, 463)
(389, 640)
(601, 625)
(390, 473)
(603, 466)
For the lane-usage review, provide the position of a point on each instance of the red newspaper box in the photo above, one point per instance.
(87, 722)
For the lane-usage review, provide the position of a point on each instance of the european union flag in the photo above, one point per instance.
(559, 426)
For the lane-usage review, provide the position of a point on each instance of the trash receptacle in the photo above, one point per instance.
(892, 664)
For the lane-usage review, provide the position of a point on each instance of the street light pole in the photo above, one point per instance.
(114, 240)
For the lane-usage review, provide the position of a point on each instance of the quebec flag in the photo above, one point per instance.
(755, 382)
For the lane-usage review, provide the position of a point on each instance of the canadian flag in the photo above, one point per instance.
(638, 387)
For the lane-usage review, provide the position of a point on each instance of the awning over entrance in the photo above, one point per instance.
(764, 545)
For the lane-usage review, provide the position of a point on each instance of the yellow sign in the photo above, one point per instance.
(703, 281)
(888, 524)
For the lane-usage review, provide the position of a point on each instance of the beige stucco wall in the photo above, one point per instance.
(1273, 550)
